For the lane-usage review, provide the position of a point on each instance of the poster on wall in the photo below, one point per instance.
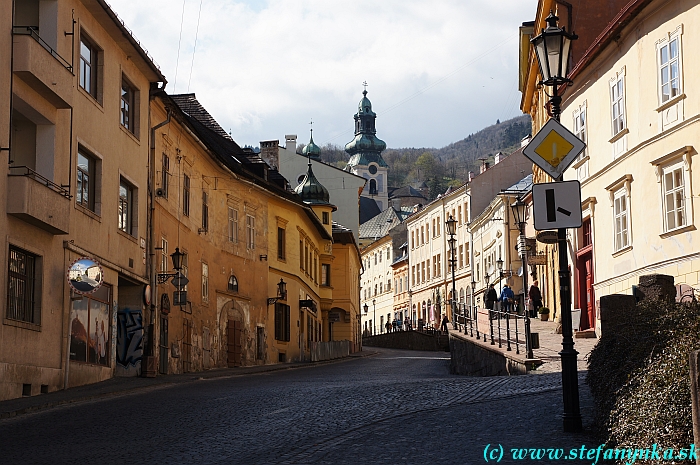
(90, 328)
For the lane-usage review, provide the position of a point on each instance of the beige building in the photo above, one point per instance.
(376, 285)
(633, 103)
(77, 141)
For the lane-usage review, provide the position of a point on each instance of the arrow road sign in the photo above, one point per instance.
(557, 205)
(554, 148)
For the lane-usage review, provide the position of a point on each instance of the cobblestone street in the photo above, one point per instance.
(393, 407)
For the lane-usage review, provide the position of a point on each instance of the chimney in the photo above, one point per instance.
(525, 140)
(395, 203)
(471, 176)
(484, 165)
(290, 142)
(270, 153)
(498, 158)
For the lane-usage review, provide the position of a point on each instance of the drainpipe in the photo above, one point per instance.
(12, 80)
(151, 229)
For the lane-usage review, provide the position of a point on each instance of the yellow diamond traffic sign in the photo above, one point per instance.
(554, 148)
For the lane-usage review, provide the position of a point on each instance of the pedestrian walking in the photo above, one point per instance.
(443, 326)
(507, 299)
(490, 298)
(388, 327)
(393, 325)
(535, 298)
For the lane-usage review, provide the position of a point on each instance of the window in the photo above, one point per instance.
(282, 320)
(85, 195)
(126, 199)
(250, 231)
(88, 66)
(617, 97)
(23, 286)
(205, 282)
(434, 231)
(669, 72)
(381, 288)
(281, 248)
(326, 217)
(674, 197)
(90, 327)
(422, 237)
(232, 225)
(461, 256)
(428, 268)
(438, 223)
(388, 285)
(325, 274)
(128, 107)
(205, 211)
(380, 256)
(413, 241)
(185, 195)
(372, 187)
(164, 262)
(388, 253)
(165, 175)
(621, 220)
(581, 132)
(185, 267)
(413, 275)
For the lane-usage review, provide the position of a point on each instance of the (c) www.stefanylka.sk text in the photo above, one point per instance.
(496, 453)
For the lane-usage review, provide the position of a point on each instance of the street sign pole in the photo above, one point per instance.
(553, 149)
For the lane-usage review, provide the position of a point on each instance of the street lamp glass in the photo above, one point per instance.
(552, 50)
(451, 226)
(519, 208)
(282, 288)
(499, 264)
(366, 307)
(177, 258)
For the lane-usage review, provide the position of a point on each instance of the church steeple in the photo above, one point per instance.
(366, 147)
(312, 150)
(365, 152)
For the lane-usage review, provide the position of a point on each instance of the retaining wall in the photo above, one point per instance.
(410, 340)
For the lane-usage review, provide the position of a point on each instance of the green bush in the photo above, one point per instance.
(639, 377)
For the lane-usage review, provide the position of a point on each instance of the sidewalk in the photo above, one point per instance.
(123, 386)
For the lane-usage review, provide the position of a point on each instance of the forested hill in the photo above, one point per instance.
(445, 166)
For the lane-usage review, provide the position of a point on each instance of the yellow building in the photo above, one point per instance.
(75, 130)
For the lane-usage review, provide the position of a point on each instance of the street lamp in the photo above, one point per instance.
(451, 225)
(374, 311)
(281, 293)
(176, 257)
(519, 209)
(552, 48)
(473, 310)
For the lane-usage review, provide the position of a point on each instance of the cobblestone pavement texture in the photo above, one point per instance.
(394, 407)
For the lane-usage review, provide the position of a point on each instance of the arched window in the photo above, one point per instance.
(461, 295)
(373, 187)
(233, 284)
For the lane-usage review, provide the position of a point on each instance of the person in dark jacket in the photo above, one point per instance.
(490, 297)
(535, 298)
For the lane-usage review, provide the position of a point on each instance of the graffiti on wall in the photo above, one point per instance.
(129, 339)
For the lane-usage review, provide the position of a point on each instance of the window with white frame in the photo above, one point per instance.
(581, 132)
(617, 101)
(668, 56)
(232, 224)
(205, 282)
(674, 202)
(164, 265)
(621, 213)
(250, 231)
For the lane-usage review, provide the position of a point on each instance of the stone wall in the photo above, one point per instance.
(410, 340)
(469, 357)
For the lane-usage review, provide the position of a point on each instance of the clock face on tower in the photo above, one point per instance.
(373, 169)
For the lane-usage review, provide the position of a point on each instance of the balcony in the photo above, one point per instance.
(40, 66)
(37, 200)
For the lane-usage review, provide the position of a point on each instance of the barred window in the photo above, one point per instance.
(23, 292)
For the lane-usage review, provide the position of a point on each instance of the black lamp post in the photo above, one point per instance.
(552, 48)
(451, 225)
(519, 211)
(365, 307)
(473, 310)
(374, 311)
(176, 257)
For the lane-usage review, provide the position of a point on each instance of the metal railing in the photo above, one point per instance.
(30, 173)
(505, 328)
(34, 33)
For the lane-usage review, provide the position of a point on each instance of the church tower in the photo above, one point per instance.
(365, 152)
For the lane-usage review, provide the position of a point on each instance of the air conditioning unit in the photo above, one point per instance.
(160, 192)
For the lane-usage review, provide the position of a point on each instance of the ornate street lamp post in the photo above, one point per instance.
(519, 211)
(552, 49)
(451, 224)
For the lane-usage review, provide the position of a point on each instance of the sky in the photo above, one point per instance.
(436, 71)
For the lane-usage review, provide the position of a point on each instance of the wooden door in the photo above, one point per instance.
(584, 267)
(235, 331)
(590, 298)
(186, 346)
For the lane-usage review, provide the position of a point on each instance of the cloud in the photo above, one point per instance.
(437, 71)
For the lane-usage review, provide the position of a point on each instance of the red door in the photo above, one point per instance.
(584, 267)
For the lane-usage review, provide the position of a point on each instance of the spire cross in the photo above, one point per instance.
(312, 126)
(364, 83)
